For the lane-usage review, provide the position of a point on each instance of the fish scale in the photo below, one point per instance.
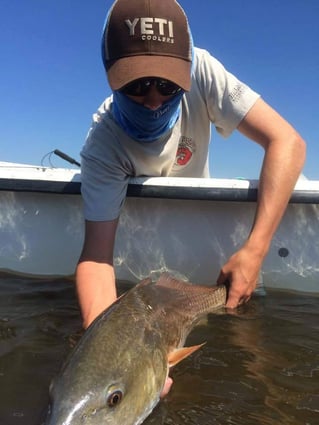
(117, 371)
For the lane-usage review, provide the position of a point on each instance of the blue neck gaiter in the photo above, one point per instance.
(141, 123)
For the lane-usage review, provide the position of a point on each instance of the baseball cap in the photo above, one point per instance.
(147, 38)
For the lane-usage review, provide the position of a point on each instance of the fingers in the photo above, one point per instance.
(238, 294)
(240, 277)
(167, 387)
(238, 291)
(222, 278)
(235, 301)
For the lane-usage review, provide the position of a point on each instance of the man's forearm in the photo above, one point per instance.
(283, 161)
(279, 174)
(96, 289)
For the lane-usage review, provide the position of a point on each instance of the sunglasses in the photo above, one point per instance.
(142, 86)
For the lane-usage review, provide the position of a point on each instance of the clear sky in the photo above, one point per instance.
(52, 78)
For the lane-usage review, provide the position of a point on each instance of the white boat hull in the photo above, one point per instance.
(41, 234)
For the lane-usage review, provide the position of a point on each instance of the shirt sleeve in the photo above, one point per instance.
(103, 179)
(227, 98)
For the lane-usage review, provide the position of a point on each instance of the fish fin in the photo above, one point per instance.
(180, 354)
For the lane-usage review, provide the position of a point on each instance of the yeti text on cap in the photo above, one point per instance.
(155, 29)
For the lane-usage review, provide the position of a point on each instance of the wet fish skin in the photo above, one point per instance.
(117, 371)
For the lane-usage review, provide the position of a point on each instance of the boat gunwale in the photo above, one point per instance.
(144, 188)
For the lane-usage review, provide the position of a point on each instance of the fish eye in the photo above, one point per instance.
(114, 398)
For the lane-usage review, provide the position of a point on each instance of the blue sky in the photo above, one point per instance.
(52, 78)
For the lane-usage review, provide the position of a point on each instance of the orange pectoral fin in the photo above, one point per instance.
(180, 354)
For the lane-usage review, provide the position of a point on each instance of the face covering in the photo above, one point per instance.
(143, 124)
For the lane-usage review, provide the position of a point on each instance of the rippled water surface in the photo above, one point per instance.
(260, 366)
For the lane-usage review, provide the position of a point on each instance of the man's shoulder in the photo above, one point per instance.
(200, 52)
(203, 59)
(207, 71)
(103, 122)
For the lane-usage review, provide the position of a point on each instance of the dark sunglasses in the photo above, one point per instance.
(142, 86)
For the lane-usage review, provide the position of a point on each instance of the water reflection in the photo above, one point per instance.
(259, 366)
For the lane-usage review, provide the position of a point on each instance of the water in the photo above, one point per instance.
(259, 366)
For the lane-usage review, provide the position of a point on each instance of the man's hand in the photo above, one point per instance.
(167, 387)
(242, 273)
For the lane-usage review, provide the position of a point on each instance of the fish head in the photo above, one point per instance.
(125, 394)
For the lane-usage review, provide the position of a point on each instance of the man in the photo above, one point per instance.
(166, 92)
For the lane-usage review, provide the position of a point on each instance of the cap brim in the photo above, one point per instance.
(128, 69)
